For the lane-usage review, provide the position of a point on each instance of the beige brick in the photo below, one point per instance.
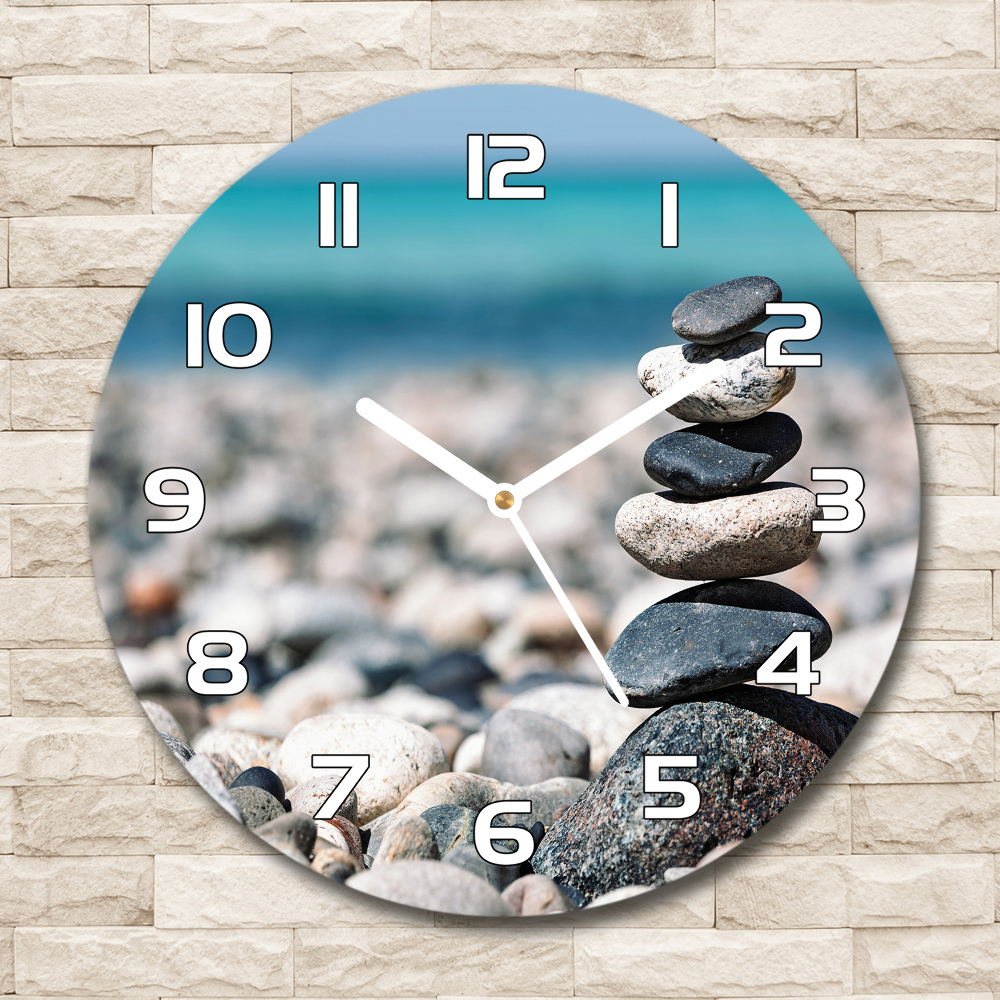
(51, 540)
(941, 677)
(111, 890)
(952, 388)
(56, 395)
(6, 692)
(893, 748)
(6, 820)
(5, 395)
(854, 174)
(151, 110)
(4, 241)
(392, 961)
(50, 612)
(6, 560)
(911, 890)
(97, 39)
(44, 323)
(577, 33)
(76, 750)
(307, 37)
(139, 961)
(92, 250)
(838, 228)
(187, 179)
(6, 960)
(74, 180)
(320, 97)
(959, 104)
(689, 963)
(924, 819)
(922, 959)
(956, 459)
(929, 317)
(44, 466)
(928, 246)
(169, 770)
(226, 892)
(959, 533)
(817, 821)
(949, 604)
(127, 819)
(737, 102)
(70, 682)
(5, 134)
(922, 996)
(830, 33)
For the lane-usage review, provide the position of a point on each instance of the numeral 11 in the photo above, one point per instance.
(348, 214)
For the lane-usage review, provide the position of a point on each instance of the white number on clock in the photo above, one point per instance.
(484, 833)
(669, 193)
(803, 676)
(652, 764)
(496, 185)
(193, 501)
(357, 765)
(348, 214)
(202, 662)
(216, 335)
(847, 501)
(813, 323)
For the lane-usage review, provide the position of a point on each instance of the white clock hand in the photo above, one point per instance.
(561, 597)
(619, 428)
(426, 448)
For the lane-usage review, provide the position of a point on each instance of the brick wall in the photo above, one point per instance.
(119, 123)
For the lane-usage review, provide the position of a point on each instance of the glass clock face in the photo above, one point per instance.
(504, 500)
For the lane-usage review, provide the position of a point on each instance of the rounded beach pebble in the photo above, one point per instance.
(708, 637)
(723, 312)
(710, 460)
(747, 389)
(763, 531)
(525, 747)
(402, 756)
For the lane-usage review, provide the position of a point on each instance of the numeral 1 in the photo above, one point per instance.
(348, 214)
(813, 323)
(193, 501)
(216, 335)
(803, 676)
(652, 764)
(847, 501)
(496, 183)
(669, 192)
(357, 765)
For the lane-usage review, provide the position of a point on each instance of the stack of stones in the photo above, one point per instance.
(689, 655)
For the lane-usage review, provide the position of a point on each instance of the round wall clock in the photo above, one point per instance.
(503, 500)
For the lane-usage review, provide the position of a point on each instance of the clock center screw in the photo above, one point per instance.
(504, 500)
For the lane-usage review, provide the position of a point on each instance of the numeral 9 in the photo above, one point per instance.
(193, 501)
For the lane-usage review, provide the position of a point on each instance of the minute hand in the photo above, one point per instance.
(619, 428)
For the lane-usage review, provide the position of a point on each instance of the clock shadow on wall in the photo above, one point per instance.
(386, 613)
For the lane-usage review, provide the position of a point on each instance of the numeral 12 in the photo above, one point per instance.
(496, 183)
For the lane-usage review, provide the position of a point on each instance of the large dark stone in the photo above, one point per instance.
(749, 768)
(709, 460)
(527, 747)
(724, 312)
(709, 637)
(456, 676)
(451, 825)
(265, 778)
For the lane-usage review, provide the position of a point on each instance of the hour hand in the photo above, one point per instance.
(426, 448)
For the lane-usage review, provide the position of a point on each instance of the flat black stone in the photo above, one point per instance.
(749, 768)
(709, 637)
(711, 460)
(724, 312)
(261, 777)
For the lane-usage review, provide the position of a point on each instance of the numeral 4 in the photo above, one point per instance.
(357, 765)
(802, 676)
(497, 186)
(652, 764)
(847, 501)
(812, 324)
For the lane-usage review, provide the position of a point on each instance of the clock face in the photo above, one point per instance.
(503, 500)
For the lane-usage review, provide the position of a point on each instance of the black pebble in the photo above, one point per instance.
(725, 311)
(263, 778)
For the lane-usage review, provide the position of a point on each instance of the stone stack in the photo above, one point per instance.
(689, 655)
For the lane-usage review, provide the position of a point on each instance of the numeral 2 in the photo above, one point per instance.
(497, 187)
(803, 676)
(652, 764)
(813, 323)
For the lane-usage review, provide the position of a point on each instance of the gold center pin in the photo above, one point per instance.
(504, 500)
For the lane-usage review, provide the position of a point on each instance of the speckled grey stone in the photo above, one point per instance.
(265, 778)
(749, 768)
(450, 825)
(432, 885)
(499, 876)
(710, 460)
(163, 720)
(708, 637)
(291, 833)
(747, 388)
(205, 773)
(765, 530)
(412, 837)
(177, 747)
(256, 805)
(525, 747)
(722, 312)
